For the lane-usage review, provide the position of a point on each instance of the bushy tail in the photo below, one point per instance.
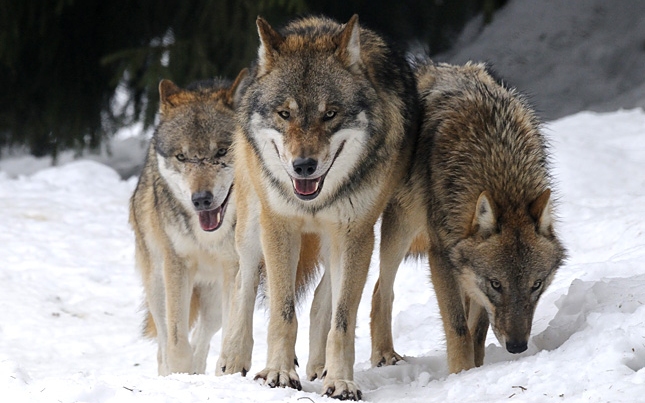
(419, 247)
(308, 263)
(150, 328)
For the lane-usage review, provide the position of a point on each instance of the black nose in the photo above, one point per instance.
(305, 166)
(202, 200)
(516, 347)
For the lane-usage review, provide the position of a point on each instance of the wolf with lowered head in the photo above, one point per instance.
(478, 202)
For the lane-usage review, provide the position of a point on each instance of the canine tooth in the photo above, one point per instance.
(219, 216)
(317, 183)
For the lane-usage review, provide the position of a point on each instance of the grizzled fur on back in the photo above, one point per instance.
(478, 203)
(510, 161)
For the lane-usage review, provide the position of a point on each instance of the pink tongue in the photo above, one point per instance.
(209, 219)
(306, 187)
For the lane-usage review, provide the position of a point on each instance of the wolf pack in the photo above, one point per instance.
(277, 180)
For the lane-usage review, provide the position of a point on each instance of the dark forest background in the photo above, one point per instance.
(62, 61)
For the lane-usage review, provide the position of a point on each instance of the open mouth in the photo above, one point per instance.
(210, 220)
(309, 189)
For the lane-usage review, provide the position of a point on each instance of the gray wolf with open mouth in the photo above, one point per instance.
(328, 124)
(183, 215)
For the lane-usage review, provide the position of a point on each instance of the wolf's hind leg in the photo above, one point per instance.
(397, 233)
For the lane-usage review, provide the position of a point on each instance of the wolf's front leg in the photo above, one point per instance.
(351, 252)
(459, 342)
(320, 319)
(179, 288)
(209, 322)
(281, 246)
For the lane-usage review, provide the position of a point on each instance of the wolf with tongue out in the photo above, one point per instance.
(183, 217)
(327, 129)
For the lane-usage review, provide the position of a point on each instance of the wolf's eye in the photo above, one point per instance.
(497, 286)
(284, 114)
(329, 115)
(537, 285)
(221, 152)
(181, 157)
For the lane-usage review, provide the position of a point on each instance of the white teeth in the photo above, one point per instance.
(317, 183)
(219, 216)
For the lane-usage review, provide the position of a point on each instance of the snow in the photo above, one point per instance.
(569, 55)
(70, 297)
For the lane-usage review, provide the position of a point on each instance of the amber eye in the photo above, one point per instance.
(284, 114)
(329, 115)
(221, 152)
(181, 157)
(537, 285)
(497, 286)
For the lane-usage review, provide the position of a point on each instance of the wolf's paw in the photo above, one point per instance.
(232, 365)
(315, 371)
(384, 358)
(280, 378)
(342, 390)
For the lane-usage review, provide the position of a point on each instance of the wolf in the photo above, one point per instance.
(183, 216)
(478, 203)
(327, 127)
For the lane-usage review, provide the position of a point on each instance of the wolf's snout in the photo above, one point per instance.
(516, 347)
(202, 200)
(305, 166)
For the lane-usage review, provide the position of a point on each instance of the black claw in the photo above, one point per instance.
(359, 394)
(330, 391)
(296, 385)
(381, 363)
(272, 384)
(313, 377)
(224, 369)
(295, 361)
(244, 371)
(344, 395)
(324, 374)
(258, 376)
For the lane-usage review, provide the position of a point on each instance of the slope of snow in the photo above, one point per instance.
(70, 296)
(569, 55)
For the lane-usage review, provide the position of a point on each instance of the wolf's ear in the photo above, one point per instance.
(270, 41)
(349, 44)
(485, 219)
(540, 210)
(166, 90)
(235, 92)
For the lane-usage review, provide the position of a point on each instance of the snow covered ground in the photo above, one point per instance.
(70, 297)
(569, 55)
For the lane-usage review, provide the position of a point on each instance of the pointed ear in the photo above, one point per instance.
(485, 219)
(234, 93)
(349, 44)
(540, 210)
(166, 90)
(270, 41)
